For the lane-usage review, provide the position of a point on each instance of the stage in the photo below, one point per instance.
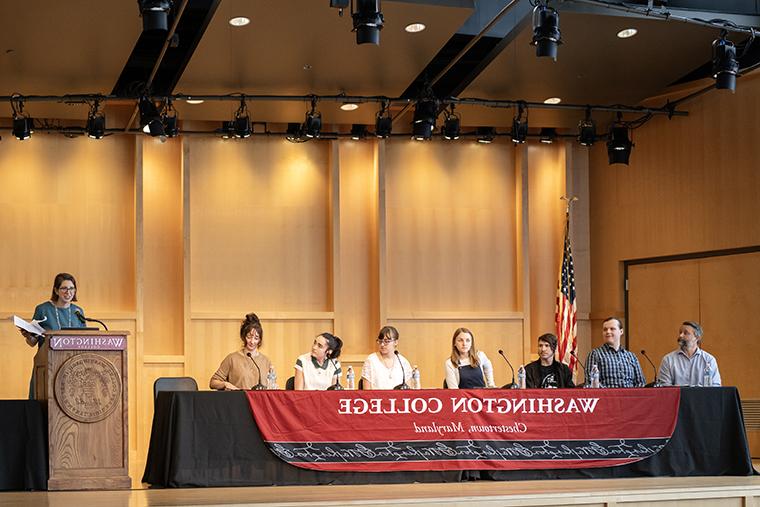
(661, 491)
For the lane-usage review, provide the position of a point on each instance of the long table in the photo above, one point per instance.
(209, 439)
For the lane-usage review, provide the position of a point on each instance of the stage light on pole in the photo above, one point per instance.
(547, 135)
(242, 121)
(519, 132)
(587, 130)
(383, 122)
(358, 132)
(312, 125)
(23, 125)
(425, 114)
(169, 119)
(724, 63)
(451, 124)
(150, 119)
(155, 14)
(546, 34)
(485, 135)
(96, 122)
(294, 133)
(619, 144)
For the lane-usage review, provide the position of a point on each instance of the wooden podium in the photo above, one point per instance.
(83, 377)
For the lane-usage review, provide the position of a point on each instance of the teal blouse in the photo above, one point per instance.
(53, 318)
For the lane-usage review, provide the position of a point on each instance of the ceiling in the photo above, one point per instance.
(303, 47)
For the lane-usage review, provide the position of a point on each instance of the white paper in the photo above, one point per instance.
(31, 327)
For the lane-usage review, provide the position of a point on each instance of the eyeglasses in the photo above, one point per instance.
(385, 340)
(67, 289)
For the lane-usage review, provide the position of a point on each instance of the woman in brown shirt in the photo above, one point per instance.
(237, 370)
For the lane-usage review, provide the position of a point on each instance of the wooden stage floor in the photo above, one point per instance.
(661, 491)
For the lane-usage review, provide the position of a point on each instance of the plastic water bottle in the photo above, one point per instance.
(595, 376)
(707, 380)
(350, 378)
(415, 377)
(271, 378)
(521, 377)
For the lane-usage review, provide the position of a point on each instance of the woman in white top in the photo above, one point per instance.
(467, 368)
(318, 370)
(386, 368)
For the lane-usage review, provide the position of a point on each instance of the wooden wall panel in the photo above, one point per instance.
(427, 344)
(450, 227)
(259, 225)
(162, 282)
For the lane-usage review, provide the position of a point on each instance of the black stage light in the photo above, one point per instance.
(451, 125)
(339, 4)
(587, 131)
(23, 127)
(546, 34)
(227, 130)
(519, 132)
(96, 126)
(242, 122)
(312, 125)
(619, 145)
(294, 134)
(155, 14)
(150, 119)
(724, 64)
(425, 114)
(485, 135)
(358, 132)
(383, 126)
(171, 127)
(547, 135)
(368, 21)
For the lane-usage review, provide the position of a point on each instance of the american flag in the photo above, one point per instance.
(565, 313)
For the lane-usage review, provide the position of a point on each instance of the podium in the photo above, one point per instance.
(82, 377)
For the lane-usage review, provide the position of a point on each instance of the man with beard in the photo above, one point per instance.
(689, 364)
(546, 372)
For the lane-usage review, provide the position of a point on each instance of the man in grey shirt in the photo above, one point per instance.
(689, 364)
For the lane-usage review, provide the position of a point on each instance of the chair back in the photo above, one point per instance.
(290, 384)
(174, 384)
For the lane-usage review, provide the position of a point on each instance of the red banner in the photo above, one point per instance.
(497, 429)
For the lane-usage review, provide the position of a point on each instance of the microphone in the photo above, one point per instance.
(403, 384)
(336, 386)
(85, 320)
(512, 384)
(259, 386)
(656, 382)
(585, 371)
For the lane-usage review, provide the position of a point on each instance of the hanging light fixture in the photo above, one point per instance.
(519, 132)
(425, 114)
(451, 124)
(313, 123)
(150, 119)
(96, 122)
(383, 122)
(546, 34)
(23, 125)
(155, 14)
(242, 121)
(547, 135)
(368, 21)
(619, 144)
(485, 135)
(295, 134)
(358, 132)
(724, 63)
(169, 119)
(587, 130)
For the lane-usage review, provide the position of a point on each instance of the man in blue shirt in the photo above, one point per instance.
(688, 365)
(617, 367)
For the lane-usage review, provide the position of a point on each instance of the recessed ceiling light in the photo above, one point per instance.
(553, 100)
(194, 101)
(349, 106)
(627, 33)
(414, 27)
(239, 21)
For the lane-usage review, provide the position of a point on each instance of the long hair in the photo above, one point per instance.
(473, 353)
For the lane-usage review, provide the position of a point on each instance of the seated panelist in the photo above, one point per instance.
(688, 364)
(238, 370)
(386, 369)
(319, 369)
(546, 371)
(467, 367)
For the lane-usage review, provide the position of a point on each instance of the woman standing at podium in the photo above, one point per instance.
(58, 313)
(244, 368)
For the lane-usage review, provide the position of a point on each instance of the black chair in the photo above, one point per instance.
(290, 384)
(445, 385)
(360, 387)
(174, 384)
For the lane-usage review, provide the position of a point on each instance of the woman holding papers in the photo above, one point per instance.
(386, 368)
(319, 369)
(246, 367)
(59, 312)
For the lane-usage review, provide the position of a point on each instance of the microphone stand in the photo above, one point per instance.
(656, 382)
(84, 320)
(403, 384)
(585, 371)
(336, 386)
(512, 384)
(259, 386)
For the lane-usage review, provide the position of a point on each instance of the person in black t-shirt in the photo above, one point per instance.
(546, 372)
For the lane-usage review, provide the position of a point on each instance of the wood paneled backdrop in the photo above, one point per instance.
(175, 242)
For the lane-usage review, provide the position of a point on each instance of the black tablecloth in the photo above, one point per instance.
(23, 445)
(210, 439)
